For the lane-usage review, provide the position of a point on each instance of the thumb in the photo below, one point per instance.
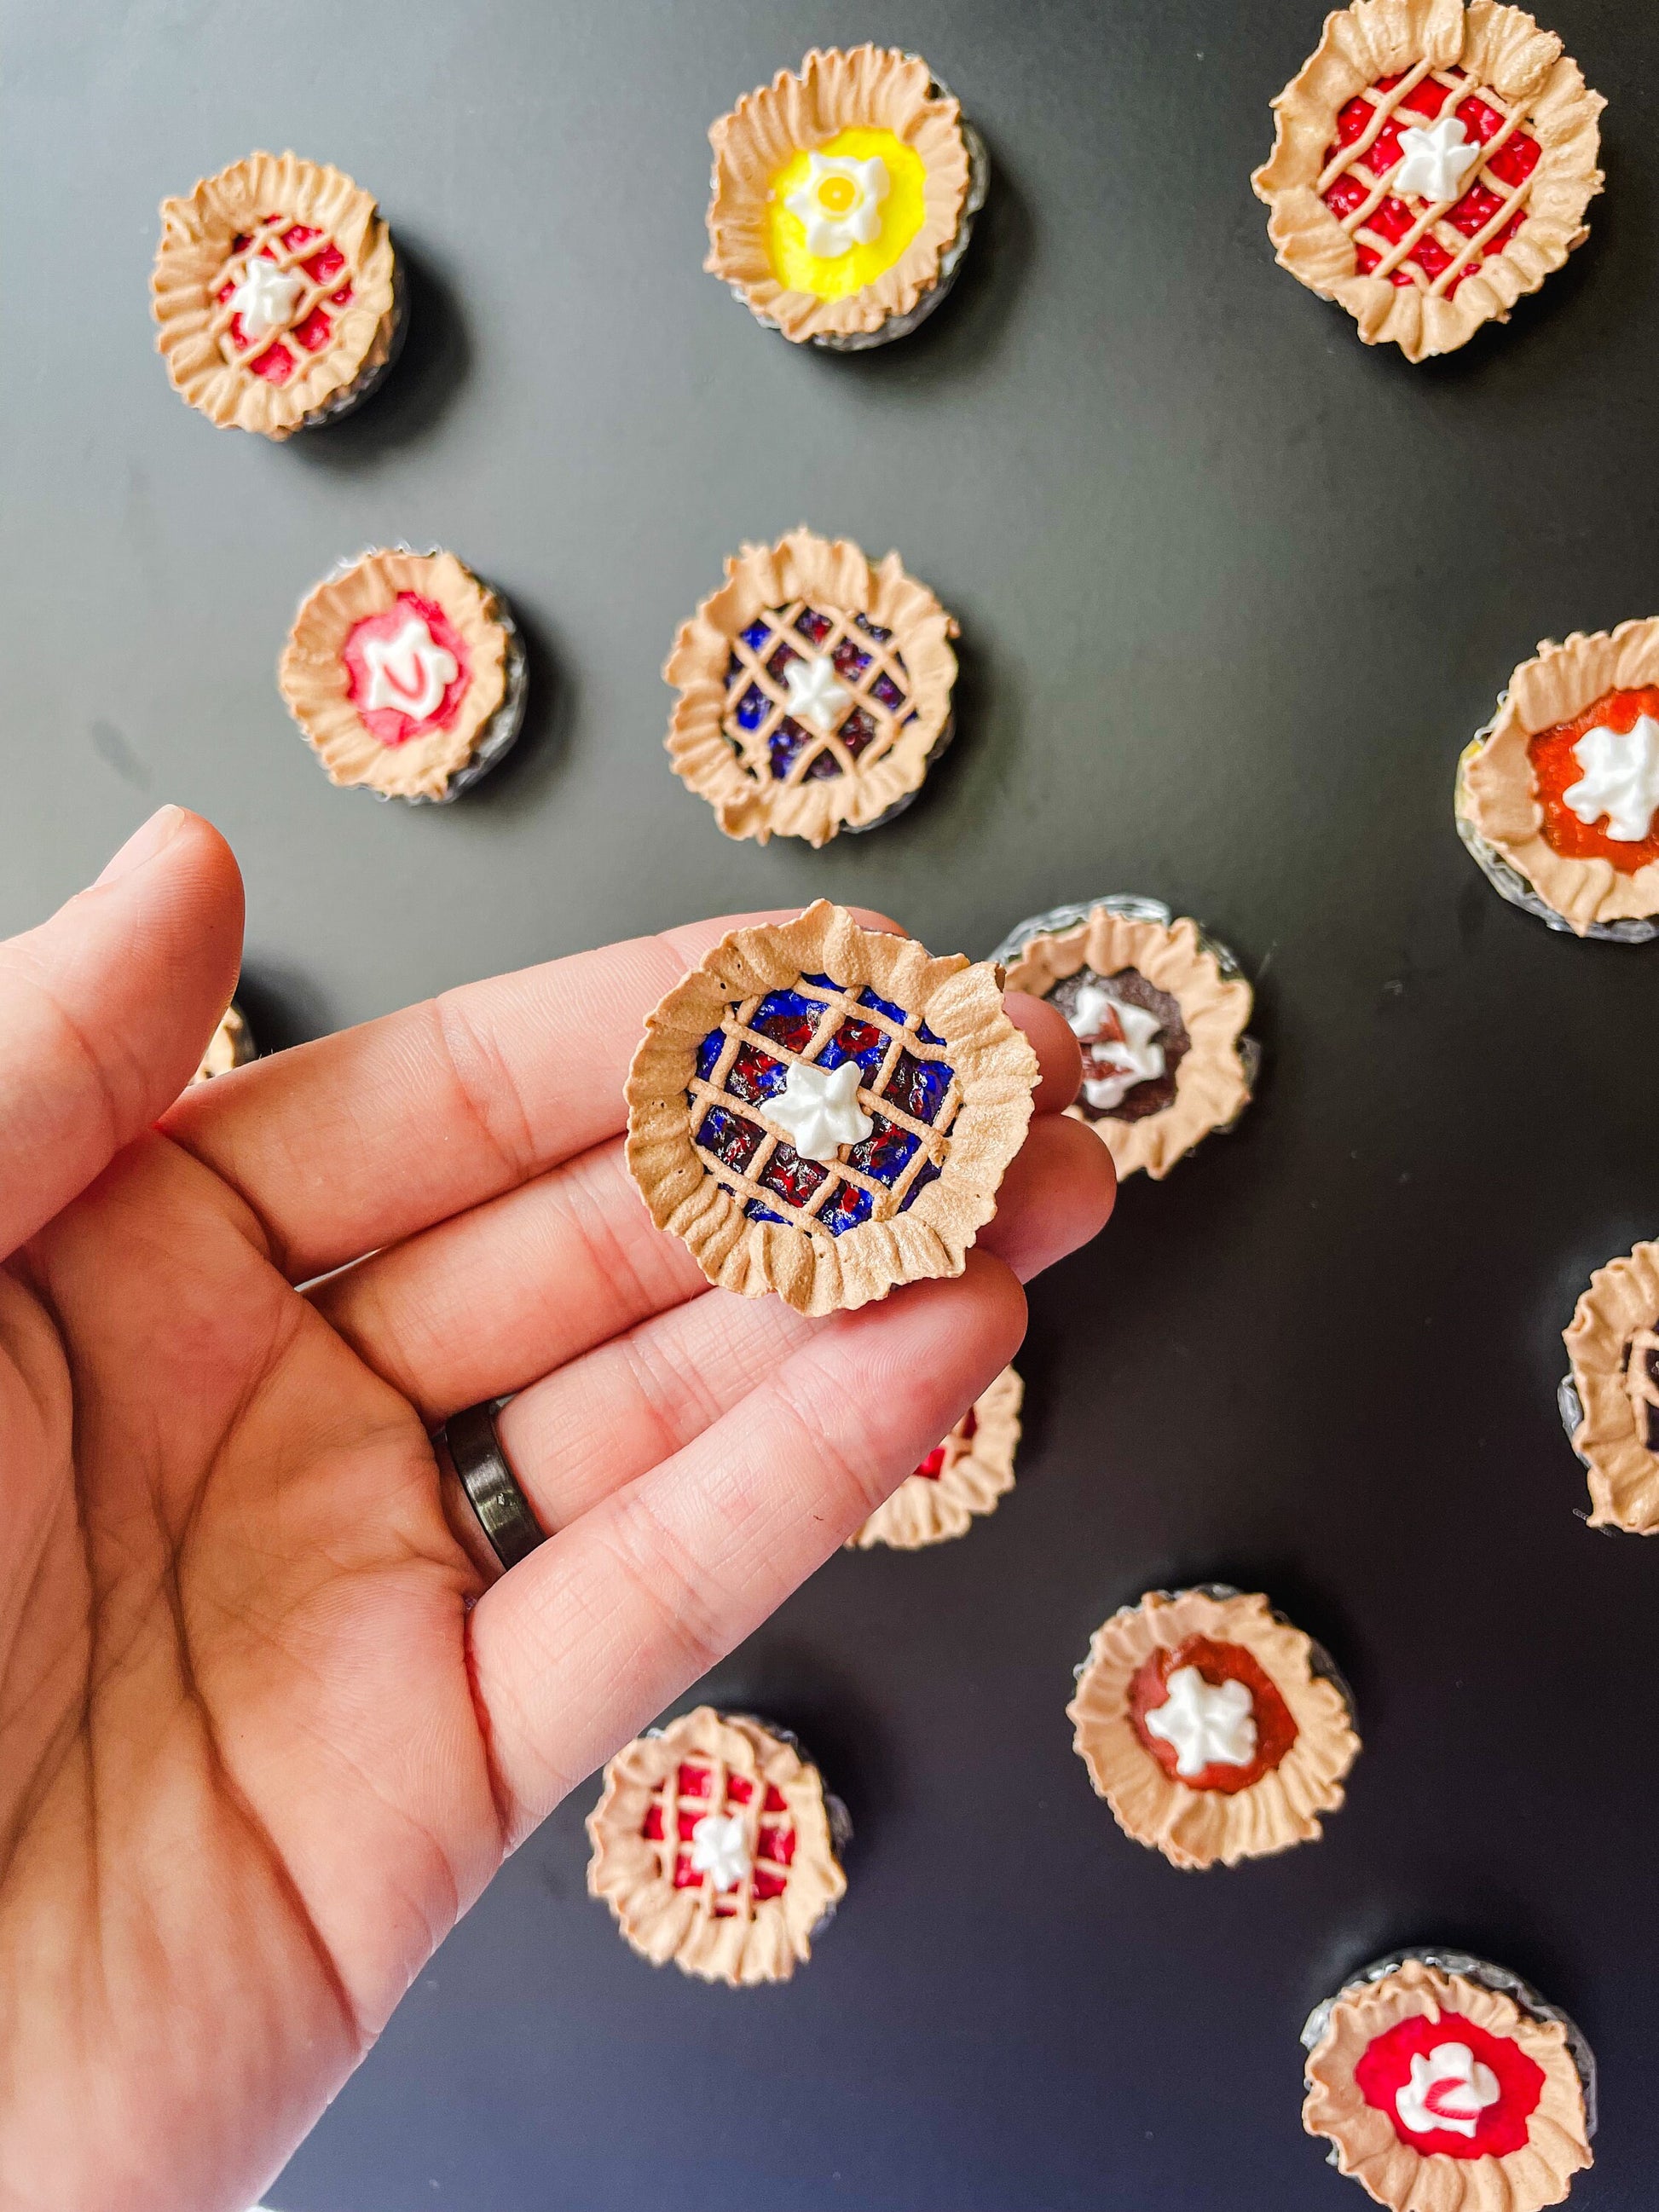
(105, 1011)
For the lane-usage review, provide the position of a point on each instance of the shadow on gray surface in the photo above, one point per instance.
(428, 375)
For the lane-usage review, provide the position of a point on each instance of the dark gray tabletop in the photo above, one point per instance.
(1233, 592)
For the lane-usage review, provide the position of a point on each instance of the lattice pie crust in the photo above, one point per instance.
(1425, 275)
(308, 220)
(932, 1030)
(886, 641)
(758, 1929)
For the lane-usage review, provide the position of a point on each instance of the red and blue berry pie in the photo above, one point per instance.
(827, 1111)
(1214, 1730)
(406, 673)
(1443, 2083)
(1158, 1008)
(814, 691)
(278, 294)
(715, 1845)
(1432, 163)
(1558, 797)
(961, 1477)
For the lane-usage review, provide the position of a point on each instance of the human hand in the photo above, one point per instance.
(258, 1745)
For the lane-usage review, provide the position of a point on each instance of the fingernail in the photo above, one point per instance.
(145, 842)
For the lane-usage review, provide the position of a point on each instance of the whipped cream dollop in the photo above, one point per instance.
(818, 1108)
(408, 670)
(1438, 155)
(1620, 779)
(719, 1851)
(815, 694)
(1120, 1034)
(266, 296)
(1208, 1724)
(838, 202)
(1449, 2088)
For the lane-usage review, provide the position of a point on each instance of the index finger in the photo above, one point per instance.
(361, 1140)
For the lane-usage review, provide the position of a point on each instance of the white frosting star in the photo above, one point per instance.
(814, 694)
(410, 670)
(818, 1108)
(1438, 156)
(1620, 779)
(1449, 2088)
(266, 295)
(719, 1851)
(1209, 1723)
(1121, 1033)
(838, 202)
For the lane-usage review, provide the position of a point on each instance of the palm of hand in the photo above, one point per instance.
(266, 1733)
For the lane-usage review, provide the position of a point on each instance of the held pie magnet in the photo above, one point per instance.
(406, 673)
(814, 691)
(844, 198)
(278, 294)
(1556, 798)
(827, 1111)
(1432, 163)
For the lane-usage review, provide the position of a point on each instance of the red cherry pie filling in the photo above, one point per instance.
(933, 1465)
(1215, 1663)
(407, 670)
(687, 1799)
(309, 300)
(1450, 2087)
(1398, 236)
(1556, 770)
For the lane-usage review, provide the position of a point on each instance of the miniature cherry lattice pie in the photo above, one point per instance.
(1443, 2083)
(1213, 1730)
(844, 198)
(278, 294)
(1432, 163)
(715, 1845)
(1558, 797)
(827, 1111)
(814, 691)
(961, 1477)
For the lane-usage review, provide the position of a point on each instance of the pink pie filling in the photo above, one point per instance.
(774, 1848)
(391, 724)
(279, 360)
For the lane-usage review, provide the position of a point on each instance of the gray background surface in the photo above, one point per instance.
(1233, 590)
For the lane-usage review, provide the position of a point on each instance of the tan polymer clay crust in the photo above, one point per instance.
(875, 87)
(1196, 1827)
(1499, 47)
(1560, 682)
(230, 1045)
(804, 566)
(1368, 2145)
(1210, 1087)
(1623, 1473)
(315, 680)
(995, 1071)
(978, 1470)
(196, 240)
(766, 1939)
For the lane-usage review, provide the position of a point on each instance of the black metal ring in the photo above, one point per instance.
(502, 1509)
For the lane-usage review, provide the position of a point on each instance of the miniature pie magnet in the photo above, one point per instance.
(814, 691)
(1443, 2083)
(1609, 1400)
(406, 673)
(1159, 1010)
(1557, 798)
(781, 1171)
(277, 294)
(715, 1845)
(964, 1476)
(1214, 1730)
(844, 196)
(1432, 163)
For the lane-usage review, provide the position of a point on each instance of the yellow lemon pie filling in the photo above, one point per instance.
(840, 215)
